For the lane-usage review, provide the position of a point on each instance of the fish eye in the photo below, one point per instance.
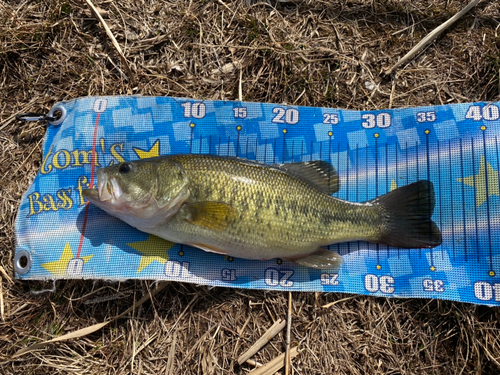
(124, 168)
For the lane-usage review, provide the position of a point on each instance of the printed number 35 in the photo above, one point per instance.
(426, 116)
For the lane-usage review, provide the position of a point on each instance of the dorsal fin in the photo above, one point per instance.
(318, 173)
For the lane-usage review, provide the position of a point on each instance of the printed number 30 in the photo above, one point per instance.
(381, 120)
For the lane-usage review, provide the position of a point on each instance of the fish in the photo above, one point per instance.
(246, 209)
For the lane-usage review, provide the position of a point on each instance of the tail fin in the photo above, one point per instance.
(408, 212)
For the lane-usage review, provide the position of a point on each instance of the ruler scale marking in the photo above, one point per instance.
(428, 172)
(458, 161)
(498, 177)
(440, 195)
(487, 191)
(463, 200)
(397, 181)
(478, 247)
(452, 215)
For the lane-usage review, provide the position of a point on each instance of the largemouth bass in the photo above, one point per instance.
(250, 210)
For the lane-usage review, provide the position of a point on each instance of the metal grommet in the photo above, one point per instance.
(22, 262)
(56, 115)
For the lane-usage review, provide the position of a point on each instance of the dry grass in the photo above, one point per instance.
(305, 52)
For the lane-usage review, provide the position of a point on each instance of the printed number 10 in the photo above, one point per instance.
(196, 110)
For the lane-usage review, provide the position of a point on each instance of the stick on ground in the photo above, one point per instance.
(266, 337)
(275, 365)
(288, 327)
(112, 37)
(430, 37)
(88, 330)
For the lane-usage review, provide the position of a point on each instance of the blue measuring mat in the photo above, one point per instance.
(59, 235)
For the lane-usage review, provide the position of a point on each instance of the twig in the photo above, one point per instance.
(288, 325)
(240, 90)
(253, 363)
(112, 37)
(335, 302)
(6, 275)
(275, 365)
(1, 301)
(171, 353)
(270, 333)
(88, 330)
(431, 36)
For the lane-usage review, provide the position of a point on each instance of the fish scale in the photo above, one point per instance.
(268, 217)
(249, 210)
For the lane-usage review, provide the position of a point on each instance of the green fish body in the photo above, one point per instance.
(246, 209)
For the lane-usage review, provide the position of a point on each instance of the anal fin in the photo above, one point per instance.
(323, 259)
(208, 248)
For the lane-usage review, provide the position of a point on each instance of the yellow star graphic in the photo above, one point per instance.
(153, 152)
(394, 186)
(154, 248)
(486, 175)
(59, 267)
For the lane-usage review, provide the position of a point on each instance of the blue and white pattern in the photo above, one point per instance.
(455, 146)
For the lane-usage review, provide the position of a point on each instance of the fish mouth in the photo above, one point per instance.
(91, 194)
(108, 190)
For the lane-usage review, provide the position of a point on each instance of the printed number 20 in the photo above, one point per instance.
(274, 277)
(285, 116)
(381, 120)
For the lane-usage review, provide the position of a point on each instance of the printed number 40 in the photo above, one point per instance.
(486, 291)
(477, 113)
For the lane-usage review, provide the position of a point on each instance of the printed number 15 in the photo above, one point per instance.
(240, 112)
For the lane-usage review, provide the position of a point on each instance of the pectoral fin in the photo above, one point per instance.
(323, 259)
(211, 215)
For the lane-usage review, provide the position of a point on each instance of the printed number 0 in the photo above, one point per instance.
(381, 120)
